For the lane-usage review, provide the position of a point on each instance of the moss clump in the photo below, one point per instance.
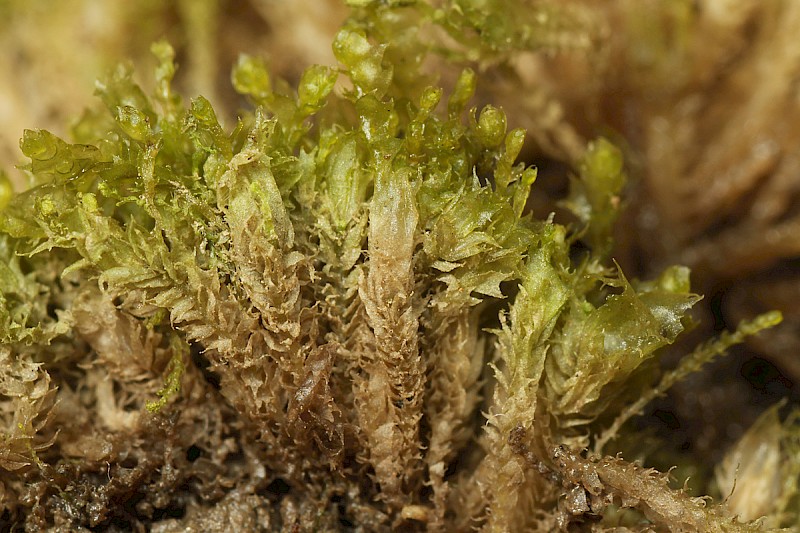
(336, 314)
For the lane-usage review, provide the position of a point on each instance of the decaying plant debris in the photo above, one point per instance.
(704, 93)
(340, 314)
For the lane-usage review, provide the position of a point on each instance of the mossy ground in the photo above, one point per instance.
(340, 311)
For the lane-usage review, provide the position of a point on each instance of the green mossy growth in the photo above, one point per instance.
(347, 314)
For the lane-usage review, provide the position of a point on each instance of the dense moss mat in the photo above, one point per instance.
(340, 314)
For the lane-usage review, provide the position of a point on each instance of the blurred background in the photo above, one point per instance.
(53, 52)
(703, 96)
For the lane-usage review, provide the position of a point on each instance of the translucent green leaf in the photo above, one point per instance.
(595, 195)
(133, 122)
(315, 85)
(250, 77)
(6, 190)
(363, 61)
(52, 159)
(491, 127)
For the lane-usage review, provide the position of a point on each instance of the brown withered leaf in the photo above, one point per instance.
(313, 415)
